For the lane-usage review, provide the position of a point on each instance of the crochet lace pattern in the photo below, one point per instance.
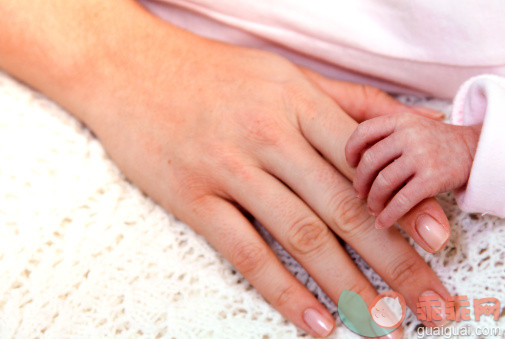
(83, 253)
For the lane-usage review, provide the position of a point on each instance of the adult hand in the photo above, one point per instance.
(202, 127)
(245, 128)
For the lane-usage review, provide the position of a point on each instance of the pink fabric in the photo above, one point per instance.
(481, 100)
(428, 46)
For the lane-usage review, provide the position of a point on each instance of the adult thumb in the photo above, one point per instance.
(363, 102)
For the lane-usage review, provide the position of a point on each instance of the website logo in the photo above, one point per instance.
(384, 315)
(387, 312)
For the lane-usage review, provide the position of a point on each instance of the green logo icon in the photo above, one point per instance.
(384, 315)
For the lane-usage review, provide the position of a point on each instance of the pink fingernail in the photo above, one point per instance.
(431, 232)
(396, 334)
(317, 322)
(371, 212)
(430, 112)
(378, 224)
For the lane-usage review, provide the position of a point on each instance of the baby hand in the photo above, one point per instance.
(402, 159)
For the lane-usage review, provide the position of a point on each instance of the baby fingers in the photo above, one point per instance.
(368, 133)
(388, 181)
(409, 196)
(373, 161)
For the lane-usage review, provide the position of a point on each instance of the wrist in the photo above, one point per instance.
(86, 54)
(472, 139)
(133, 60)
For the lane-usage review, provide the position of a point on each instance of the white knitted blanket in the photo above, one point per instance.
(84, 254)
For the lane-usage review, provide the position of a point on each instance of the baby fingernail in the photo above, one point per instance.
(378, 225)
(317, 322)
(432, 232)
(430, 112)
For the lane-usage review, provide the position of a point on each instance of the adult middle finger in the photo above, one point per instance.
(299, 230)
(327, 128)
(332, 197)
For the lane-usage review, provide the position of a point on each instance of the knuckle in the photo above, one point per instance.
(404, 121)
(187, 180)
(198, 201)
(420, 148)
(370, 92)
(374, 201)
(362, 181)
(426, 174)
(359, 182)
(401, 200)
(263, 132)
(403, 270)
(350, 217)
(404, 116)
(261, 129)
(188, 186)
(368, 158)
(220, 153)
(296, 94)
(292, 92)
(285, 296)
(430, 171)
(425, 187)
(412, 139)
(383, 180)
(357, 287)
(244, 173)
(228, 158)
(362, 130)
(307, 235)
(248, 259)
(349, 148)
(285, 68)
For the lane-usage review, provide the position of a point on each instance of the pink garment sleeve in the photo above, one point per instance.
(481, 100)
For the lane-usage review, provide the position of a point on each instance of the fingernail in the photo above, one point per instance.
(430, 112)
(435, 304)
(378, 225)
(396, 334)
(431, 232)
(371, 212)
(317, 322)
